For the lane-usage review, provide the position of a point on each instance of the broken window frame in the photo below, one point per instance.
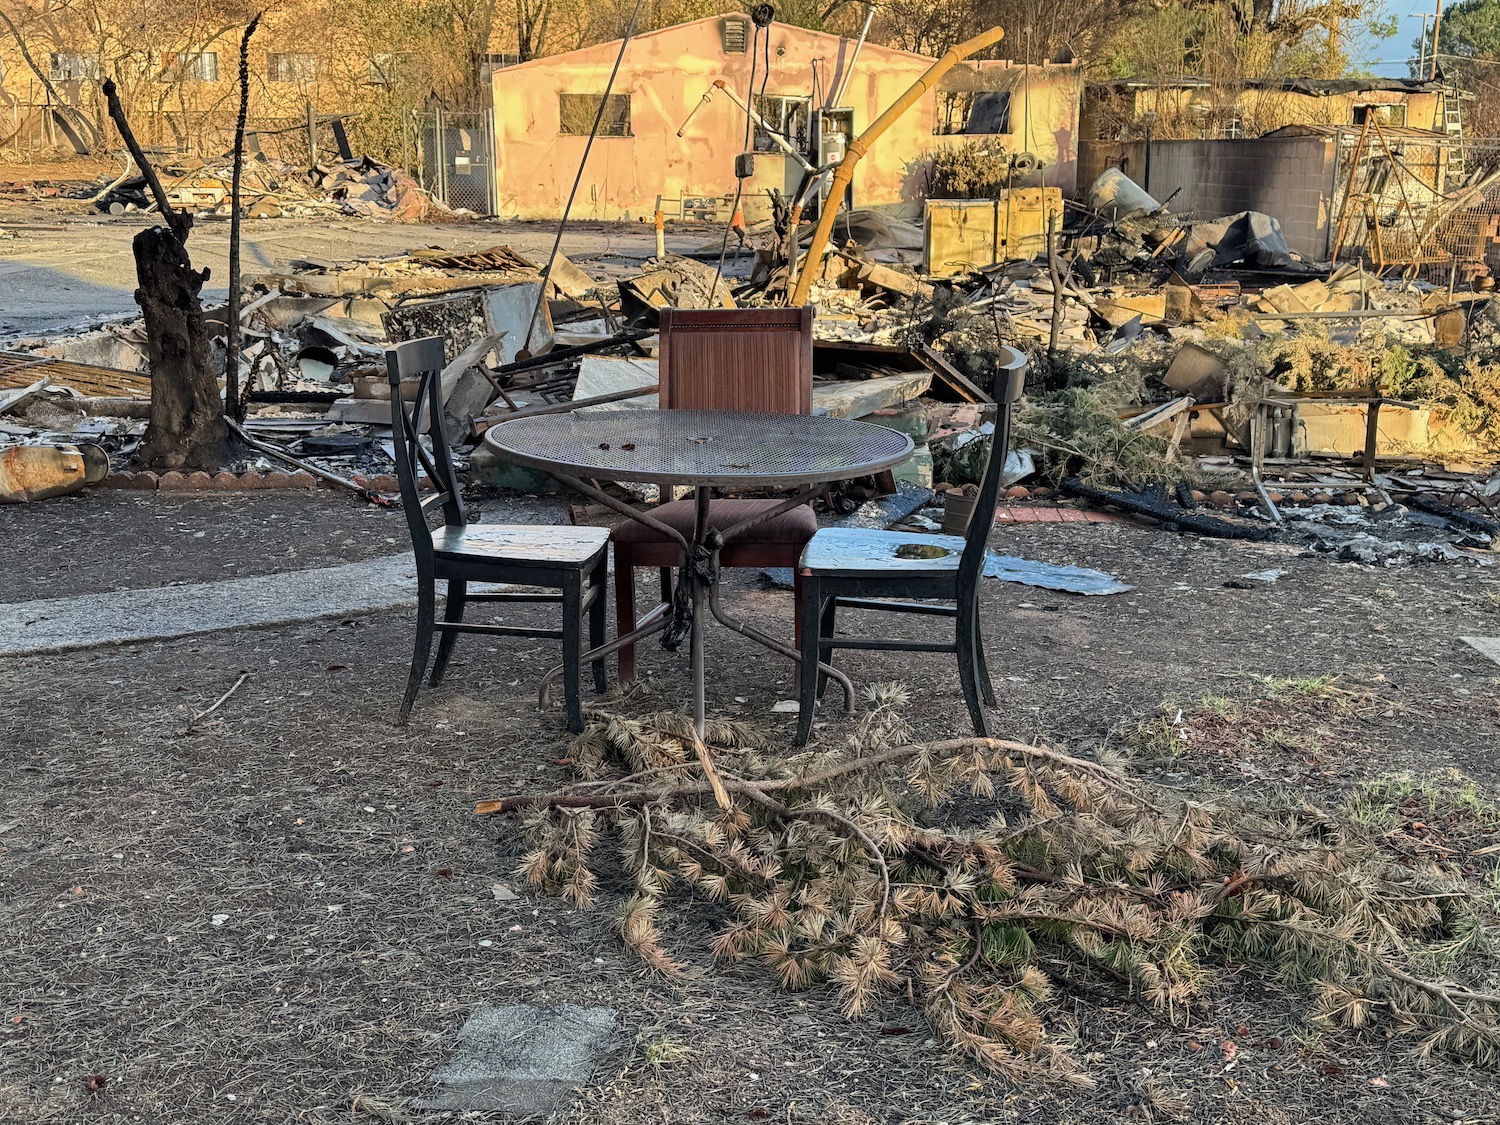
(383, 68)
(195, 66)
(576, 113)
(292, 67)
(1386, 113)
(955, 112)
(73, 66)
(789, 116)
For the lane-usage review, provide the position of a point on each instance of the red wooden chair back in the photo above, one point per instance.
(737, 359)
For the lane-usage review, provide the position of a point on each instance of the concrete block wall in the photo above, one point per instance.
(1290, 178)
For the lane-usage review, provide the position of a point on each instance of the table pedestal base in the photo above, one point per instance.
(701, 587)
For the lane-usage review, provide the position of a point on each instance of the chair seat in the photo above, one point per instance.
(522, 544)
(794, 527)
(855, 552)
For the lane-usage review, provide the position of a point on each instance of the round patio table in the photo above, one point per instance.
(703, 449)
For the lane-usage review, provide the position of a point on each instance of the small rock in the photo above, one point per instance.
(1247, 498)
(225, 482)
(197, 481)
(503, 893)
(1299, 497)
(302, 479)
(1199, 496)
(1041, 492)
(276, 479)
(172, 482)
(1220, 499)
(1018, 492)
(1322, 498)
(786, 707)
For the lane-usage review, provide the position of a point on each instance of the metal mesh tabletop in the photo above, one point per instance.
(704, 447)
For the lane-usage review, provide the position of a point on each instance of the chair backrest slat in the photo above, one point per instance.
(422, 360)
(1007, 382)
(737, 359)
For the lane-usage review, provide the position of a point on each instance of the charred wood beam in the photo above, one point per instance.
(1456, 516)
(179, 223)
(234, 405)
(572, 351)
(1159, 509)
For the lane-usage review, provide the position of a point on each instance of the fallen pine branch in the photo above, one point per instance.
(858, 865)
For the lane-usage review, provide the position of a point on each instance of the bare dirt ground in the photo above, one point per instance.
(277, 916)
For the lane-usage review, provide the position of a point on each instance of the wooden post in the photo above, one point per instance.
(232, 404)
(1372, 429)
(1055, 268)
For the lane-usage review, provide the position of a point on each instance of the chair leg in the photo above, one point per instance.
(811, 635)
(572, 638)
(968, 660)
(796, 606)
(986, 684)
(625, 609)
(666, 584)
(597, 623)
(453, 610)
(426, 618)
(827, 621)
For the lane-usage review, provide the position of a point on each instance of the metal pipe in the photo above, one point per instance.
(837, 98)
(703, 101)
(844, 173)
(776, 138)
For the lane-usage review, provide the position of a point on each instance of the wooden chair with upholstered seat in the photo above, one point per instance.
(723, 359)
(568, 560)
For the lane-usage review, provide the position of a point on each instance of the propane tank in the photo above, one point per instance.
(35, 472)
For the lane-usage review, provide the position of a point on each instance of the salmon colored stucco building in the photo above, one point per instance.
(660, 137)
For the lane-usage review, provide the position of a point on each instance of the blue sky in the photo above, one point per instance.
(1390, 58)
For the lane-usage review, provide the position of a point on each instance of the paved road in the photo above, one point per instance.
(59, 271)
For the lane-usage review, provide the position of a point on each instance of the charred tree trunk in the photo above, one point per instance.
(187, 429)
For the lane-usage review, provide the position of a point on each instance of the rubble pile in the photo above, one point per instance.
(1185, 371)
(271, 189)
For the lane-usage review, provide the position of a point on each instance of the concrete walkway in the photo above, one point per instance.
(124, 616)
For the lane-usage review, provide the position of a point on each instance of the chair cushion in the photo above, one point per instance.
(522, 544)
(796, 526)
(852, 551)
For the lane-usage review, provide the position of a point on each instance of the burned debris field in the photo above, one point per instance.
(878, 564)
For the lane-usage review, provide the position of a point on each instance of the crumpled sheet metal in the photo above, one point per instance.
(1051, 576)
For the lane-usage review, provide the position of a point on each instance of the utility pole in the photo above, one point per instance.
(1437, 24)
(1422, 50)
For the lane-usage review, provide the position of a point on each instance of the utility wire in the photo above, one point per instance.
(578, 179)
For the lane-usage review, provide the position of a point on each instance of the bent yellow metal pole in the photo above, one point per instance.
(844, 173)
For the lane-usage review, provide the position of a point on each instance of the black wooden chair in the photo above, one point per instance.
(853, 569)
(570, 560)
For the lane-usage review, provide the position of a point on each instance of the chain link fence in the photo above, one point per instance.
(456, 158)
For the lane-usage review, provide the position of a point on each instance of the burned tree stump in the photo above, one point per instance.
(187, 429)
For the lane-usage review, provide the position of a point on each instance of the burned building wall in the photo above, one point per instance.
(660, 94)
(1292, 179)
(1198, 110)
